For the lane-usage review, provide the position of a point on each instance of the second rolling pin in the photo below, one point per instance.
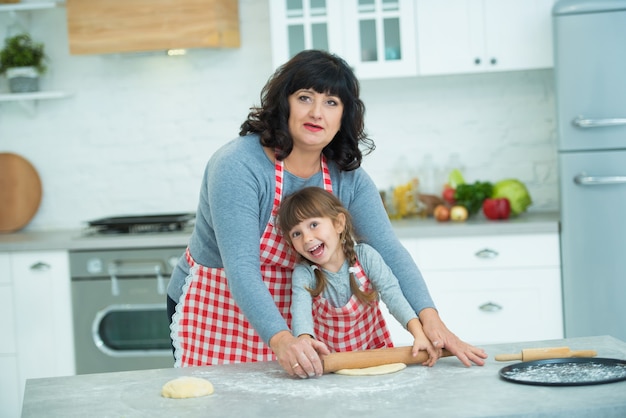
(530, 354)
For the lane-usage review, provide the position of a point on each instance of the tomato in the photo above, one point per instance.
(448, 194)
(499, 208)
(441, 213)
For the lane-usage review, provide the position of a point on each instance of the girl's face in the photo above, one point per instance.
(314, 119)
(317, 240)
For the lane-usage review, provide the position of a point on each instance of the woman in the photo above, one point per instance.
(229, 295)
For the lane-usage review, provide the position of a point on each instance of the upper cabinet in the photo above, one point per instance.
(376, 37)
(113, 26)
(398, 38)
(469, 36)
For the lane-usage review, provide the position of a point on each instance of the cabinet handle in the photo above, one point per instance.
(581, 122)
(493, 61)
(477, 61)
(490, 307)
(40, 266)
(486, 253)
(584, 180)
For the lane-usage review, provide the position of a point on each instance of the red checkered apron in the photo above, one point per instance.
(355, 326)
(208, 327)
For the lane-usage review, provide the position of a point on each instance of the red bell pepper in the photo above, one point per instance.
(499, 208)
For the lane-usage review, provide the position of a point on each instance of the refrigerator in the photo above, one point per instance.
(590, 88)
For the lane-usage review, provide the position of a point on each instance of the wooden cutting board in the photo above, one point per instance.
(20, 192)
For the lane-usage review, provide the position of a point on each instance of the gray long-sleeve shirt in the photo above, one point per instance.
(234, 207)
(338, 291)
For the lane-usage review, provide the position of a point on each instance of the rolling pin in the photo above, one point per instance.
(530, 354)
(377, 357)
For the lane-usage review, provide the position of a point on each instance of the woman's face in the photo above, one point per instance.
(314, 119)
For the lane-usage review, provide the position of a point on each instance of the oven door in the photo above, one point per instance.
(122, 329)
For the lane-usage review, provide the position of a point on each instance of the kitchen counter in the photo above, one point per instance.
(76, 240)
(263, 389)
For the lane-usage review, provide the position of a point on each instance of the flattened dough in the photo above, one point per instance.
(187, 387)
(373, 371)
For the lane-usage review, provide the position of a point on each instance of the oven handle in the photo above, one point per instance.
(118, 268)
(95, 326)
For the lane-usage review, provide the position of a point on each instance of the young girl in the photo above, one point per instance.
(336, 289)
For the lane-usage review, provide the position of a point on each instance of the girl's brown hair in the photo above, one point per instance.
(314, 202)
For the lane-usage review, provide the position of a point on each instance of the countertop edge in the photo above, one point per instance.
(76, 240)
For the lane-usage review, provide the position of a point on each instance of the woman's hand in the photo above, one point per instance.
(441, 337)
(299, 356)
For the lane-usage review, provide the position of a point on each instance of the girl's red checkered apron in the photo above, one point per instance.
(354, 326)
(208, 326)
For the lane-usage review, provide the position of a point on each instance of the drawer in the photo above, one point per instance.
(485, 252)
(499, 306)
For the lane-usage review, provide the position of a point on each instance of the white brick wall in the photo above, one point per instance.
(136, 134)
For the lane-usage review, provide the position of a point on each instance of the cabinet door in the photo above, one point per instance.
(380, 38)
(450, 36)
(297, 25)
(518, 34)
(498, 306)
(9, 393)
(43, 315)
(469, 36)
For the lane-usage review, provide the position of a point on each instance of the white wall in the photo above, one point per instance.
(136, 133)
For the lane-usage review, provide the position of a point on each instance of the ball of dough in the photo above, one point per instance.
(187, 387)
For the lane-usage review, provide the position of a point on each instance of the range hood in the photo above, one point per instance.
(117, 26)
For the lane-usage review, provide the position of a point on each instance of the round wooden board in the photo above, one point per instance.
(20, 192)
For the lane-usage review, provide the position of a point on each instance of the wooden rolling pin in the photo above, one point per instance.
(530, 354)
(376, 357)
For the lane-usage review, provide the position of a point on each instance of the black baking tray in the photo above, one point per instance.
(566, 371)
(143, 219)
(142, 223)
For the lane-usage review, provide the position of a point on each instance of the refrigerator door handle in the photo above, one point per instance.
(584, 180)
(581, 122)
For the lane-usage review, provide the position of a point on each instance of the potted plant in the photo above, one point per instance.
(22, 60)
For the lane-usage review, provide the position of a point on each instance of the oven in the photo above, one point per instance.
(118, 300)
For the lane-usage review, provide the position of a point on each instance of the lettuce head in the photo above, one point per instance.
(516, 192)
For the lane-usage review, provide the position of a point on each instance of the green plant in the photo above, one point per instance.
(21, 51)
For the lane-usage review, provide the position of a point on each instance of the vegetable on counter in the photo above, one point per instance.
(459, 213)
(471, 196)
(498, 208)
(515, 191)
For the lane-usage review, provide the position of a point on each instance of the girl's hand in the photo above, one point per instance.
(422, 343)
(299, 356)
(442, 337)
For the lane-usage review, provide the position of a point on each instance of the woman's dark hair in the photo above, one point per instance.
(315, 202)
(325, 73)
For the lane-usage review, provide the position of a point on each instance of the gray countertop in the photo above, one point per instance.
(263, 389)
(76, 240)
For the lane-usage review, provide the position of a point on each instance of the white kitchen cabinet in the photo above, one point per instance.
(9, 394)
(494, 288)
(43, 316)
(469, 36)
(376, 37)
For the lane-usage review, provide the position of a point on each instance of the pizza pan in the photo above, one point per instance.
(566, 371)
